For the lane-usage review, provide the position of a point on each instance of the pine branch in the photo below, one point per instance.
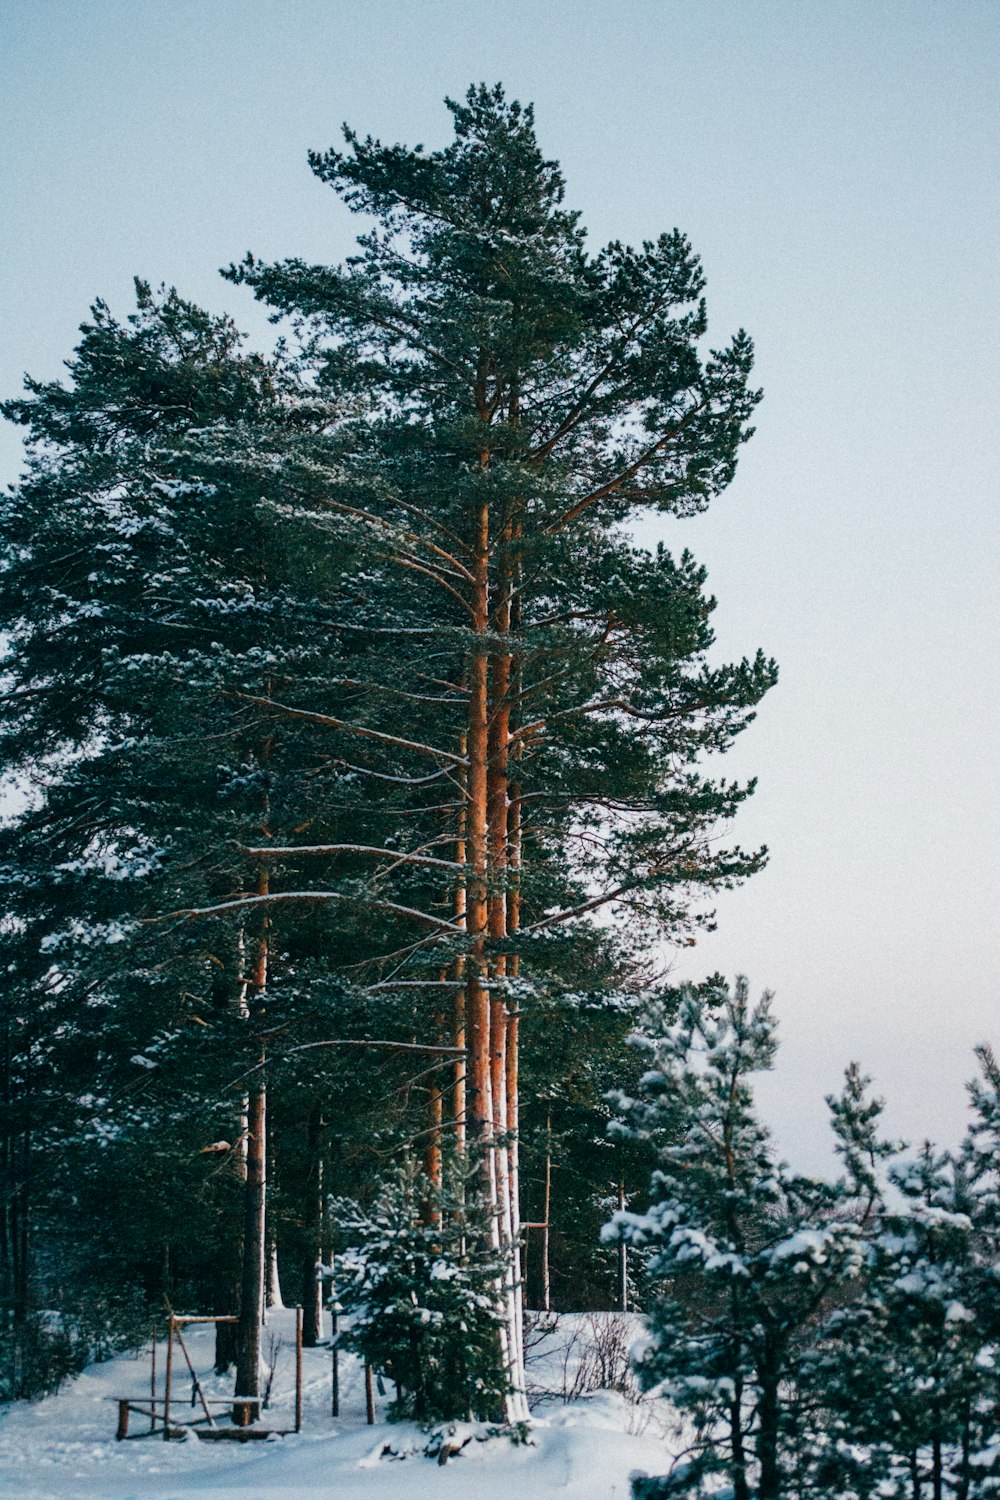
(359, 729)
(275, 898)
(629, 473)
(396, 855)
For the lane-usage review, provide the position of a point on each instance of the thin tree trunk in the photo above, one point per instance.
(916, 1487)
(312, 1287)
(741, 1489)
(458, 972)
(964, 1473)
(479, 1110)
(546, 1211)
(433, 1157)
(769, 1485)
(622, 1256)
(513, 898)
(252, 1282)
(503, 1065)
(234, 994)
(272, 1279)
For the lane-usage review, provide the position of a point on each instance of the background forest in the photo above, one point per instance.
(363, 771)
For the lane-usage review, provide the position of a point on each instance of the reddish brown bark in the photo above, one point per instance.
(477, 1020)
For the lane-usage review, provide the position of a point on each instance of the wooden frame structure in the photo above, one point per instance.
(245, 1409)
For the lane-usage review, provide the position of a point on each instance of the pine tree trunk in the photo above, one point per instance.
(916, 1487)
(546, 1213)
(478, 1103)
(769, 1484)
(234, 995)
(312, 1287)
(272, 1278)
(433, 1161)
(741, 1489)
(503, 1075)
(458, 971)
(226, 1304)
(252, 1281)
(513, 898)
(622, 1256)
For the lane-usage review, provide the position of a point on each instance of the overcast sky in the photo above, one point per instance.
(836, 166)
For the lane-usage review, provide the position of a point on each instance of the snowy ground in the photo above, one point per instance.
(64, 1447)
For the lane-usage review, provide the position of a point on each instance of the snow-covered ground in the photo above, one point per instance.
(64, 1447)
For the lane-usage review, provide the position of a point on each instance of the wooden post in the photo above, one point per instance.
(196, 1389)
(298, 1367)
(335, 1356)
(152, 1385)
(169, 1374)
(122, 1421)
(369, 1395)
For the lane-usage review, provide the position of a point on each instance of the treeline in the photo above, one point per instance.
(357, 764)
(820, 1338)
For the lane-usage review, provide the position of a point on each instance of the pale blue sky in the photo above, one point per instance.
(836, 166)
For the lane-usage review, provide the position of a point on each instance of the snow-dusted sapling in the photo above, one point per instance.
(422, 1292)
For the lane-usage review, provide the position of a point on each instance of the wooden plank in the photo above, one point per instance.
(192, 1318)
(242, 1434)
(152, 1385)
(170, 1370)
(369, 1396)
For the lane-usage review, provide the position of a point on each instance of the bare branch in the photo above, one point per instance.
(396, 855)
(629, 473)
(359, 729)
(342, 1042)
(276, 898)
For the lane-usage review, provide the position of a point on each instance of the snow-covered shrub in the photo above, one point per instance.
(37, 1354)
(423, 1287)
